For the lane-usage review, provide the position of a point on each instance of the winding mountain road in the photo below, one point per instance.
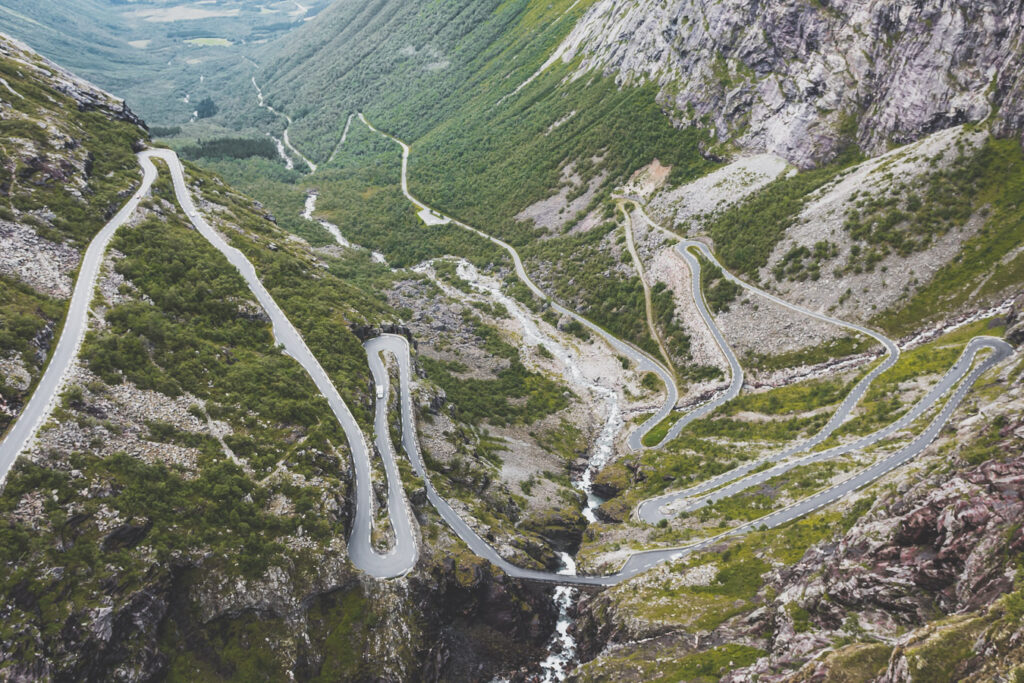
(643, 560)
(643, 361)
(651, 510)
(404, 552)
(41, 403)
(638, 265)
(697, 496)
(735, 369)
(287, 141)
(344, 137)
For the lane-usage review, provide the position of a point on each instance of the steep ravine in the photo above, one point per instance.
(562, 647)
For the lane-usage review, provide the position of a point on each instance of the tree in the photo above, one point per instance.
(206, 108)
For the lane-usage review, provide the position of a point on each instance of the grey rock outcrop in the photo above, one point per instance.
(86, 95)
(1015, 322)
(800, 79)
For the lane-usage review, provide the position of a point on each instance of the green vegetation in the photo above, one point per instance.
(195, 333)
(939, 657)
(63, 192)
(991, 182)
(515, 396)
(705, 448)
(199, 335)
(246, 647)
(673, 334)
(718, 291)
(658, 432)
(794, 398)
(493, 342)
(801, 263)
(275, 186)
(206, 108)
(989, 445)
(40, 181)
(839, 347)
(883, 402)
(360, 192)
(588, 278)
(758, 501)
(164, 131)
(322, 304)
(230, 148)
(566, 440)
(24, 315)
(685, 460)
(906, 219)
(650, 381)
(711, 664)
(625, 129)
(801, 617)
(743, 430)
(746, 234)
(738, 578)
(858, 662)
(473, 157)
(469, 140)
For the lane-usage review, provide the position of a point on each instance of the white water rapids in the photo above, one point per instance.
(563, 645)
(288, 163)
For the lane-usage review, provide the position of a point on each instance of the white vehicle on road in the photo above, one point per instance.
(380, 392)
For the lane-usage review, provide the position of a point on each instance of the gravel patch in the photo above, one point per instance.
(895, 278)
(43, 265)
(687, 208)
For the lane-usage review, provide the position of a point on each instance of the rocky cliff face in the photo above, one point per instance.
(948, 546)
(799, 78)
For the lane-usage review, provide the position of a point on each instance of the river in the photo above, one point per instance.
(562, 648)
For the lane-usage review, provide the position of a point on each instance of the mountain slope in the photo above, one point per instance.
(916, 578)
(184, 510)
(507, 105)
(188, 502)
(67, 166)
(801, 78)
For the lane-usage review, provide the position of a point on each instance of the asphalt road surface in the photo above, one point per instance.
(404, 551)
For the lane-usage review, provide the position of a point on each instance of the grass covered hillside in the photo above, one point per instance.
(66, 165)
(186, 511)
(445, 80)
